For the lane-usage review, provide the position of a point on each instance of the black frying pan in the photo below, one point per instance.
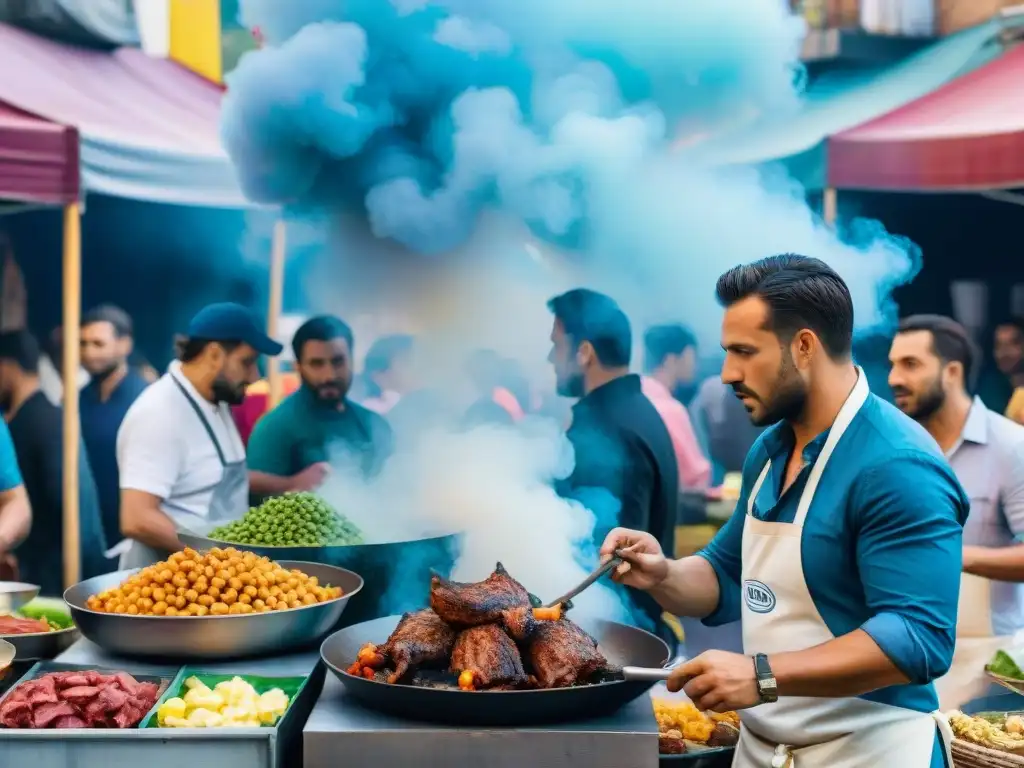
(622, 646)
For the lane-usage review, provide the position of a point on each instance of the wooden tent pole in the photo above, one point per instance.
(72, 361)
(829, 205)
(277, 251)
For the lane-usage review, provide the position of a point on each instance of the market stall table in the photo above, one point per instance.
(278, 747)
(341, 732)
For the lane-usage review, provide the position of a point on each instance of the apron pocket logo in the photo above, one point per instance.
(758, 597)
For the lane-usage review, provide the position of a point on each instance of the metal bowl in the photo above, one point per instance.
(211, 637)
(388, 568)
(16, 594)
(42, 646)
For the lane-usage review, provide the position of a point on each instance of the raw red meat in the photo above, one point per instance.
(78, 700)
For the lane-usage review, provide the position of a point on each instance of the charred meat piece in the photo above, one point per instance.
(671, 743)
(562, 654)
(724, 735)
(485, 656)
(420, 639)
(482, 602)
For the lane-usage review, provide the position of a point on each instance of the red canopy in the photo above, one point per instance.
(38, 159)
(968, 134)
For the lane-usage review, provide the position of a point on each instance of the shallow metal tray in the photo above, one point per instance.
(40, 646)
(278, 747)
(211, 637)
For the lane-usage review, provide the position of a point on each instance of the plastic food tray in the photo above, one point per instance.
(266, 747)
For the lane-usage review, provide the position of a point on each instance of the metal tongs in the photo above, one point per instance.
(608, 567)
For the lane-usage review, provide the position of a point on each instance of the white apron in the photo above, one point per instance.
(975, 645)
(229, 501)
(779, 616)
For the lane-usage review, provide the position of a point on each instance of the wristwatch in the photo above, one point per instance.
(767, 688)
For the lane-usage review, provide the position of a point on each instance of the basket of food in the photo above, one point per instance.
(687, 735)
(224, 603)
(987, 739)
(39, 630)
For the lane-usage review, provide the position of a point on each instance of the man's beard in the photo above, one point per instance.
(106, 372)
(928, 403)
(786, 401)
(329, 392)
(226, 392)
(571, 386)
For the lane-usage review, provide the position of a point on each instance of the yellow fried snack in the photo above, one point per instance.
(218, 583)
(684, 718)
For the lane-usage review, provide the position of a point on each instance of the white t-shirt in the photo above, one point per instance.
(164, 449)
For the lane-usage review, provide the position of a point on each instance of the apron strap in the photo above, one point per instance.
(946, 736)
(203, 419)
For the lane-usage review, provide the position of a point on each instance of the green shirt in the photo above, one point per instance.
(302, 431)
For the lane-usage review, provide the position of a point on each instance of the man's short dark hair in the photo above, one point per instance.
(321, 328)
(660, 341)
(950, 342)
(382, 353)
(1013, 321)
(108, 313)
(21, 348)
(188, 348)
(587, 315)
(801, 292)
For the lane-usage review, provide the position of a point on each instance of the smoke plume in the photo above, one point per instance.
(473, 157)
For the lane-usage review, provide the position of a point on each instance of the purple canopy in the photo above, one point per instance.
(38, 159)
(149, 127)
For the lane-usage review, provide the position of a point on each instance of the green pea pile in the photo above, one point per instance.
(292, 520)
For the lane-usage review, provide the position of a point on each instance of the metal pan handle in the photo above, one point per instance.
(651, 674)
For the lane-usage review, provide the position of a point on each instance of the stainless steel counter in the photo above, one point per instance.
(340, 732)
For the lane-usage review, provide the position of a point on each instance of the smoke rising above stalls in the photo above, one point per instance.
(421, 115)
(474, 134)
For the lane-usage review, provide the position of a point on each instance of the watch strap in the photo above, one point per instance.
(767, 687)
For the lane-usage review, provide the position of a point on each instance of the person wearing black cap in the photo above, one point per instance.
(180, 458)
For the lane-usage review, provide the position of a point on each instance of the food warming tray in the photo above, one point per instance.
(622, 645)
(277, 747)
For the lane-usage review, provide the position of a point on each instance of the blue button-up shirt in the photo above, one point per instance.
(881, 545)
(100, 421)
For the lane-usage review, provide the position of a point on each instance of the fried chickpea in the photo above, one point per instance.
(191, 595)
(308, 599)
(218, 582)
(300, 591)
(209, 571)
(292, 582)
(244, 599)
(219, 609)
(180, 580)
(229, 596)
(281, 606)
(312, 581)
(146, 592)
(223, 574)
(202, 610)
(201, 585)
(258, 605)
(263, 593)
(159, 594)
(172, 566)
(205, 600)
(180, 602)
(250, 590)
(171, 611)
(235, 583)
(235, 609)
(295, 604)
(160, 608)
(165, 575)
(291, 596)
(193, 576)
(145, 603)
(271, 602)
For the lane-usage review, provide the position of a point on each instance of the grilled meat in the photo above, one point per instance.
(562, 654)
(420, 639)
(482, 602)
(484, 656)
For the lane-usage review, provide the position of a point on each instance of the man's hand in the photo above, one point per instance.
(312, 477)
(717, 681)
(645, 565)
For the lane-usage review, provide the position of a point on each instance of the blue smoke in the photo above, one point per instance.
(423, 115)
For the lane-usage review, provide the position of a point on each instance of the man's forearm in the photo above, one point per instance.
(15, 518)
(850, 665)
(150, 527)
(997, 563)
(265, 484)
(690, 589)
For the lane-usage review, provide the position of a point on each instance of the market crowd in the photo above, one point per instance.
(921, 503)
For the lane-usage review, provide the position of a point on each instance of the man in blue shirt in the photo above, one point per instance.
(15, 514)
(103, 402)
(842, 559)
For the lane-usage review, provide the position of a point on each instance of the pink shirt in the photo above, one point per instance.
(694, 469)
